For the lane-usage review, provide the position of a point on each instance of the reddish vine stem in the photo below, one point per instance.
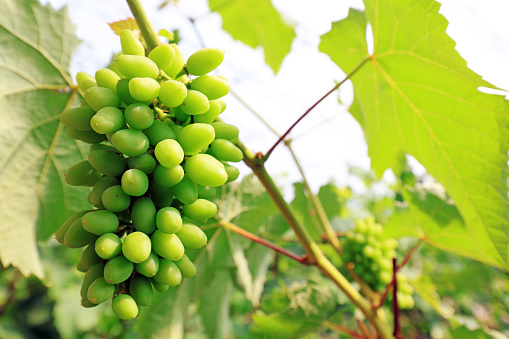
(343, 329)
(395, 306)
(282, 137)
(364, 329)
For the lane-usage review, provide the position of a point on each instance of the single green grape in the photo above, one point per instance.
(82, 174)
(139, 116)
(107, 120)
(200, 210)
(195, 103)
(162, 55)
(88, 259)
(213, 87)
(144, 215)
(134, 182)
(100, 97)
(124, 307)
(193, 138)
(115, 199)
(150, 266)
(206, 170)
(140, 289)
(95, 272)
(158, 132)
(83, 77)
(107, 78)
(211, 115)
(100, 221)
(144, 89)
(130, 43)
(169, 153)
(117, 270)
(185, 191)
(226, 131)
(78, 118)
(137, 247)
(130, 142)
(168, 274)
(100, 291)
(192, 236)
(168, 246)
(168, 177)
(145, 163)
(232, 171)
(168, 220)
(206, 192)
(60, 234)
(108, 246)
(172, 93)
(178, 62)
(186, 267)
(99, 187)
(226, 151)
(90, 137)
(107, 162)
(204, 61)
(137, 66)
(76, 236)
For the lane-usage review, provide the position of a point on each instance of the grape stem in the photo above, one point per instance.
(344, 329)
(146, 28)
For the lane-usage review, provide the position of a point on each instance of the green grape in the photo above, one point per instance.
(172, 93)
(130, 142)
(107, 78)
(115, 199)
(177, 64)
(99, 222)
(405, 302)
(167, 246)
(226, 131)
(124, 94)
(193, 138)
(102, 147)
(107, 162)
(186, 267)
(139, 116)
(134, 182)
(192, 236)
(389, 244)
(222, 103)
(130, 43)
(140, 289)
(160, 287)
(144, 89)
(168, 274)
(100, 291)
(195, 103)
(100, 97)
(149, 267)
(124, 307)
(87, 84)
(206, 192)
(168, 177)
(158, 132)
(168, 220)
(204, 61)
(117, 270)
(90, 137)
(226, 151)
(76, 236)
(200, 210)
(95, 272)
(405, 288)
(211, 115)
(136, 247)
(108, 246)
(78, 118)
(180, 115)
(186, 190)
(82, 174)
(161, 196)
(213, 87)
(368, 251)
(162, 55)
(232, 171)
(87, 304)
(169, 153)
(107, 120)
(100, 186)
(145, 163)
(206, 170)
(60, 234)
(114, 68)
(144, 215)
(88, 259)
(83, 77)
(137, 66)
(176, 129)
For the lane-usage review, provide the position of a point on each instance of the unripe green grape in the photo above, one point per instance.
(193, 138)
(226, 151)
(186, 190)
(99, 222)
(137, 66)
(206, 192)
(177, 63)
(195, 103)
(124, 307)
(405, 301)
(172, 93)
(87, 84)
(200, 210)
(130, 43)
(139, 116)
(100, 97)
(107, 78)
(134, 182)
(108, 246)
(82, 174)
(180, 115)
(100, 291)
(130, 142)
(115, 199)
(389, 244)
(78, 118)
(123, 92)
(192, 236)
(168, 177)
(160, 287)
(145, 163)
(160, 195)
(140, 289)
(158, 132)
(186, 267)
(222, 103)
(144, 215)
(107, 162)
(204, 61)
(405, 288)
(117, 270)
(88, 259)
(144, 89)
(211, 115)
(169, 153)
(95, 272)
(226, 131)
(232, 171)
(102, 147)
(99, 187)
(385, 264)
(177, 129)
(206, 170)
(168, 246)
(213, 87)
(168, 274)
(82, 77)
(60, 234)
(150, 266)
(168, 220)
(136, 247)
(76, 236)
(87, 304)
(89, 137)
(162, 55)
(107, 120)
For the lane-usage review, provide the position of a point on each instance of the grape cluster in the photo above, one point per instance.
(372, 255)
(156, 159)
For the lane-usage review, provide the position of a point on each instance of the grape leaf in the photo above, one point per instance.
(37, 42)
(416, 95)
(256, 23)
(118, 26)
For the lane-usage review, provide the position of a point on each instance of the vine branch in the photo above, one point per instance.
(146, 28)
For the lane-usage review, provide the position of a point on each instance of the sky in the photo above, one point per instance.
(329, 140)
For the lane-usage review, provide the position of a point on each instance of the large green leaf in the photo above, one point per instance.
(416, 95)
(36, 44)
(257, 23)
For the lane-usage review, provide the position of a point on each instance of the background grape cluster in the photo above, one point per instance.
(157, 156)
